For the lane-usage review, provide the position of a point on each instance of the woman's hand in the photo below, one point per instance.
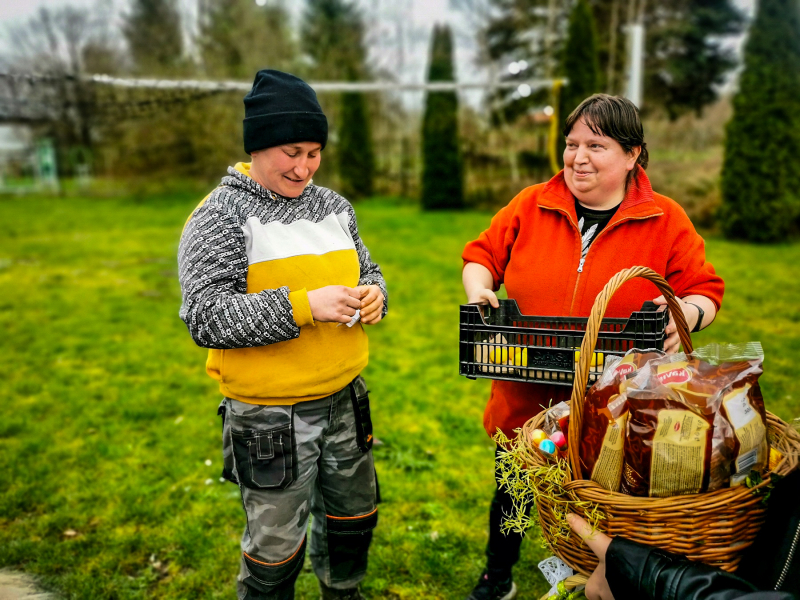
(334, 303)
(598, 542)
(477, 283)
(371, 303)
(690, 312)
(483, 296)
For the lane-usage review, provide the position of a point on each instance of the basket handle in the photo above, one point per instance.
(588, 346)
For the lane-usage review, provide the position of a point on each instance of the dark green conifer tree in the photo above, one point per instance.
(579, 63)
(760, 174)
(442, 167)
(333, 33)
(356, 155)
(686, 59)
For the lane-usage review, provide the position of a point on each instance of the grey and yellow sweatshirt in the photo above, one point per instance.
(247, 259)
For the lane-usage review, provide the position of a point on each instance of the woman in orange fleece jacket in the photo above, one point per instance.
(555, 246)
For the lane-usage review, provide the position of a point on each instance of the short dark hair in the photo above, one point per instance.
(614, 117)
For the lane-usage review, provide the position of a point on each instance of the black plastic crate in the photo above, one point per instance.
(502, 343)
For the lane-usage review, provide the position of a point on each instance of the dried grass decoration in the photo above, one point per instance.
(712, 527)
(542, 485)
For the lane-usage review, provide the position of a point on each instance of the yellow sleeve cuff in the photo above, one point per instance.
(301, 308)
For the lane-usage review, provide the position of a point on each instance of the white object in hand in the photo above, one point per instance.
(355, 318)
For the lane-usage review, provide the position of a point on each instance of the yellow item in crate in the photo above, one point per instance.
(494, 351)
(497, 351)
(597, 359)
(520, 357)
(499, 355)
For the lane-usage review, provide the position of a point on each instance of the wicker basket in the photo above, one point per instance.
(712, 527)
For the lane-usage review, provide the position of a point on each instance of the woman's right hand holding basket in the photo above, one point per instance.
(690, 306)
(478, 282)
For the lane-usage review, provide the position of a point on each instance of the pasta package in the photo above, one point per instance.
(605, 420)
(745, 411)
(667, 448)
(695, 425)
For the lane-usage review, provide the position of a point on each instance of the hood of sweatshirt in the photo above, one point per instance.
(239, 177)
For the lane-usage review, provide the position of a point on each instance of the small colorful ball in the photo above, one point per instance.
(547, 446)
(538, 436)
(558, 439)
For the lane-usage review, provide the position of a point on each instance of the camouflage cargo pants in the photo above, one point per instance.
(293, 461)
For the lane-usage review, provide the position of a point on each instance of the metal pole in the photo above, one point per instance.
(612, 47)
(635, 63)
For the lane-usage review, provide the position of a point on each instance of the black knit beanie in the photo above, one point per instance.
(282, 109)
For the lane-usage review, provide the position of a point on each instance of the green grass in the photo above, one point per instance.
(108, 417)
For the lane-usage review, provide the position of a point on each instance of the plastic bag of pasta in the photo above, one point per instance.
(605, 419)
(696, 423)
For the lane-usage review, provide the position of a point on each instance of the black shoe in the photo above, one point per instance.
(493, 589)
(327, 593)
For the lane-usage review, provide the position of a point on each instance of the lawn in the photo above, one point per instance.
(109, 440)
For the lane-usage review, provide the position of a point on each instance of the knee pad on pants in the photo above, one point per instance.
(267, 578)
(348, 544)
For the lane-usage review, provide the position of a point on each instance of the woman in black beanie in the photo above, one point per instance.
(277, 284)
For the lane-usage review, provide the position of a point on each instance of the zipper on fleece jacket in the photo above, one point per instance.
(609, 228)
(583, 258)
(575, 227)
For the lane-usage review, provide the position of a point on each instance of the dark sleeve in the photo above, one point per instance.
(634, 570)
(370, 271)
(212, 269)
